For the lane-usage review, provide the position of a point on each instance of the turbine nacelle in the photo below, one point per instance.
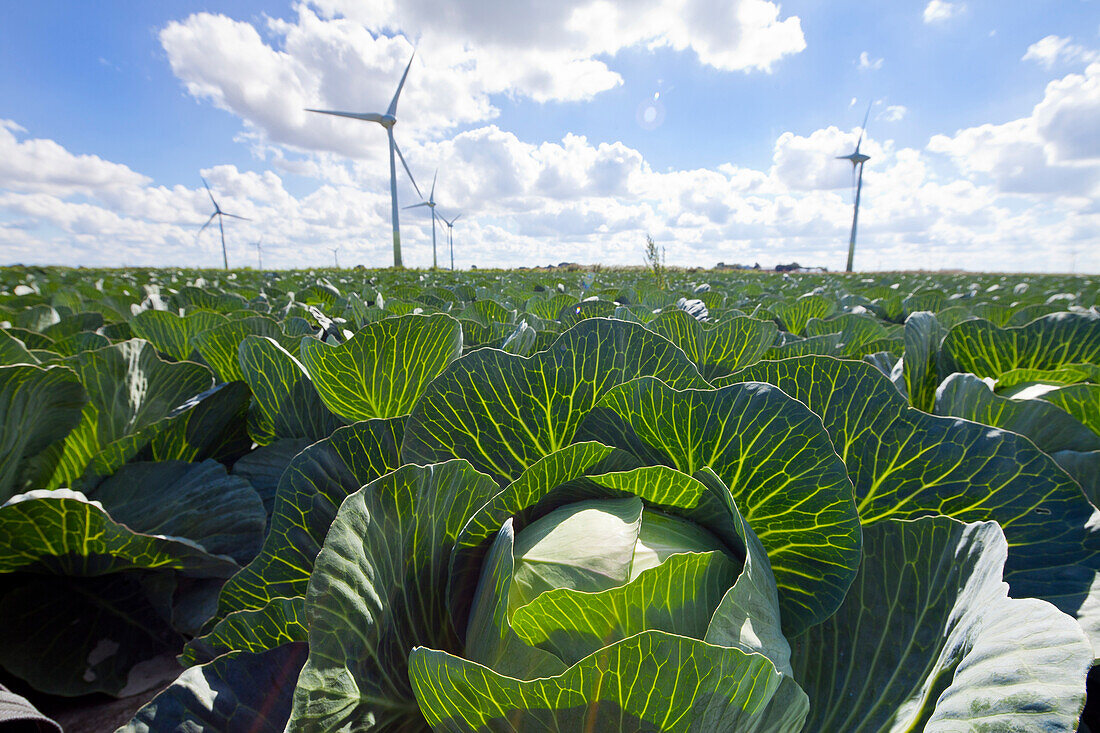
(856, 158)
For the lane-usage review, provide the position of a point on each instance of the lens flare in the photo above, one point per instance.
(651, 113)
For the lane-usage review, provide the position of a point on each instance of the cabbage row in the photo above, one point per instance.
(550, 500)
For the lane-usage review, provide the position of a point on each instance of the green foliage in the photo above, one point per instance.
(607, 500)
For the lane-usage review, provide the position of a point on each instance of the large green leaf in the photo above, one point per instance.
(653, 681)
(285, 403)
(311, 490)
(131, 387)
(981, 348)
(907, 464)
(485, 321)
(212, 424)
(767, 448)
(117, 582)
(192, 298)
(378, 591)
(928, 639)
(264, 466)
(1080, 400)
(503, 412)
(82, 341)
(1049, 427)
(71, 325)
(196, 501)
(717, 350)
(1084, 467)
(38, 406)
(795, 315)
(142, 407)
(171, 333)
(13, 350)
(923, 335)
(65, 533)
(854, 329)
(37, 318)
(219, 345)
(31, 339)
(1021, 382)
(827, 344)
(235, 692)
(281, 621)
(383, 369)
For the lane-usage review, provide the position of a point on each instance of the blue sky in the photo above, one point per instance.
(983, 132)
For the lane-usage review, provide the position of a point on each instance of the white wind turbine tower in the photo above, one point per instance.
(220, 214)
(858, 159)
(335, 258)
(259, 245)
(451, 236)
(387, 120)
(430, 203)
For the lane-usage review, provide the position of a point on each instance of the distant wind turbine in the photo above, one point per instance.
(858, 159)
(220, 214)
(430, 203)
(335, 259)
(451, 236)
(259, 244)
(387, 120)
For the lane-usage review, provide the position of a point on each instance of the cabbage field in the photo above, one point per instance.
(548, 500)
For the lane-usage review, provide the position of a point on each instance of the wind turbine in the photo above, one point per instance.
(451, 236)
(387, 120)
(221, 215)
(858, 159)
(259, 244)
(335, 259)
(430, 203)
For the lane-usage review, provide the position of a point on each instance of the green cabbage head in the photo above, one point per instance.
(612, 553)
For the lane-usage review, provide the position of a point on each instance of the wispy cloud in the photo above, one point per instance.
(866, 63)
(1053, 50)
(938, 11)
(893, 113)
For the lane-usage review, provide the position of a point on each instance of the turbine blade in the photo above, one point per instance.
(455, 219)
(245, 218)
(208, 193)
(863, 128)
(392, 111)
(368, 116)
(413, 206)
(402, 157)
(431, 196)
(206, 224)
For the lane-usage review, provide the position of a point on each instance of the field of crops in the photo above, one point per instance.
(549, 500)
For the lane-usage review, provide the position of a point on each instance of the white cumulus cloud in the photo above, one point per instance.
(44, 166)
(1055, 150)
(348, 56)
